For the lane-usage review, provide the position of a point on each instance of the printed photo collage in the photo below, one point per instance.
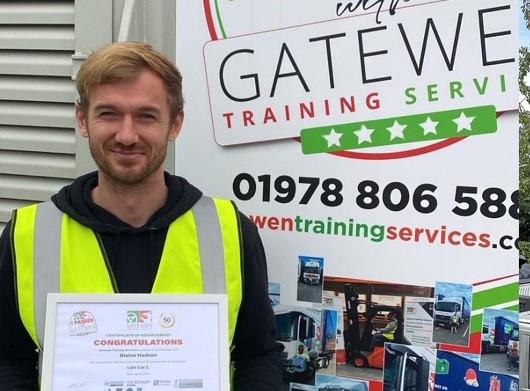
(348, 334)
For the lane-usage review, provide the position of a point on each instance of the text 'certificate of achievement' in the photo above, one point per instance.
(136, 342)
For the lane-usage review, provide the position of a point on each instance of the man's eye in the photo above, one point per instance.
(106, 114)
(147, 116)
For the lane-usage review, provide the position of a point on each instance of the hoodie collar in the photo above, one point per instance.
(75, 200)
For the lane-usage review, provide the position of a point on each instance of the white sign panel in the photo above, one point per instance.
(418, 320)
(380, 137)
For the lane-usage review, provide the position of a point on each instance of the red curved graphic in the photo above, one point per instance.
(400, 154)
(209, 20)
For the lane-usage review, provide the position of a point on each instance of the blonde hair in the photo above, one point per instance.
(123, 61)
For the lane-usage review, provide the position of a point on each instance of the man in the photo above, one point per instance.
(455, 322)
(385, 334)
(300, 359)
(126, 227)
(513, 357)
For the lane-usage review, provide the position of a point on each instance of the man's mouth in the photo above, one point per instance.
(127, 154)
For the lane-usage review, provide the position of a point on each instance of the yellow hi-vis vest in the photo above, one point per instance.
(55, 254)
(389, 335)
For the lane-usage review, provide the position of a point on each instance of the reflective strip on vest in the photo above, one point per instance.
(23, 227)
(202, 254)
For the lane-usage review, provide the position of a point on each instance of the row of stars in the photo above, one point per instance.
(364, 134)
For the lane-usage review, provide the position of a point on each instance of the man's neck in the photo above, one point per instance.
(133, 204)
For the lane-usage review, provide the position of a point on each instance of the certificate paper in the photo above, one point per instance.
(136, 343)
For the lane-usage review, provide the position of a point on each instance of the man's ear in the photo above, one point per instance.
(176, 126)
(80, 118)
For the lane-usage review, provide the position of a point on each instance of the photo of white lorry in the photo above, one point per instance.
(312, 272)
(447, 307)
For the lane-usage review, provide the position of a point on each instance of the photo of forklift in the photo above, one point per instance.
(359, 341)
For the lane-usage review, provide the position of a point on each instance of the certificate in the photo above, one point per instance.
(136, 342)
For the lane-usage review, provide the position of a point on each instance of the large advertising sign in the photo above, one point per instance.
(374, 144)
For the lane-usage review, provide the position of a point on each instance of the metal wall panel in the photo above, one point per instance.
(37, 12)
(37, 37)
(37, 164)
(18, 187)
(43, 139)
(48, 63)
(39, 88)
(59, 115)
(37, 122)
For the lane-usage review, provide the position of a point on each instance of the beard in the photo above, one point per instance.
(125, 172)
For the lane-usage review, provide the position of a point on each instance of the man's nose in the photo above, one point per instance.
(127, 134)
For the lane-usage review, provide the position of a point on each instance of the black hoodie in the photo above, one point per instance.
(134, 255)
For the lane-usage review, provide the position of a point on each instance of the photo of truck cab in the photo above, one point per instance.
(488, 338)
(295, 327)
(408, 368)
(312, 272)
(448, 307)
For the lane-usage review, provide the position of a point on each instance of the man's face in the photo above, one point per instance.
(128, 127)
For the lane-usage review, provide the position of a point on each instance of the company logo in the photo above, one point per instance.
(471, 378)
(359, 109)
(139, 320)
(167, 320)
(82, 323)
